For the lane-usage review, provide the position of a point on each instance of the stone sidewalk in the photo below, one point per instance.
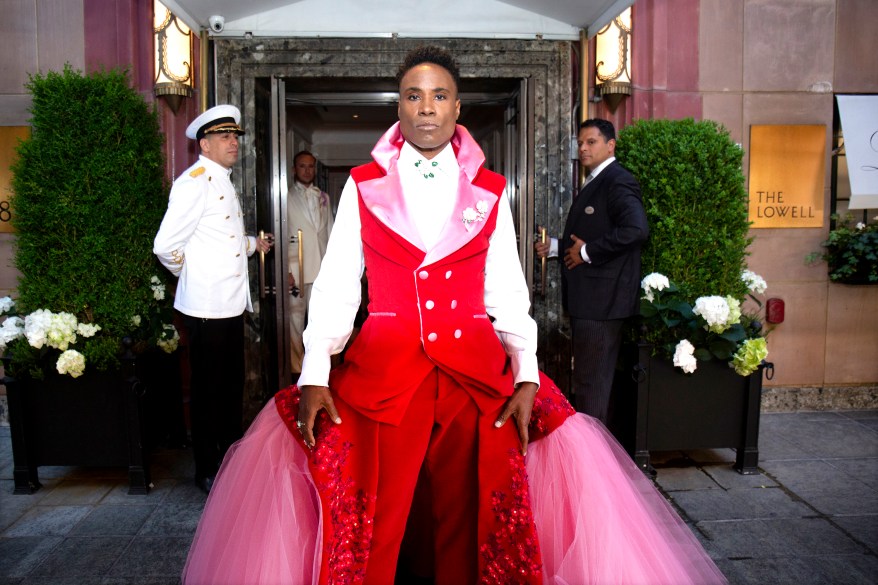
(810, 516)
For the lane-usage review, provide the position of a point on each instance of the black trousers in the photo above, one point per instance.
(595, 351)
(216, 361)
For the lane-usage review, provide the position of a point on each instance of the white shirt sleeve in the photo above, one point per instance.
(507, 299)
(335, 296)
(185, 209)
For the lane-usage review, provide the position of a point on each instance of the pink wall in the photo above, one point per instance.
(664, 63)
(118, 33)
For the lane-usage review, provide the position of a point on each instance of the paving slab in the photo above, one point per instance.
(113, 521)
(83, 556)
(742, 504)
(47, 521)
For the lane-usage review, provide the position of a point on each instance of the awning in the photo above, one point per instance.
(859, 123)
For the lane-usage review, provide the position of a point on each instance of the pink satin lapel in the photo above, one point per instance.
(456, 232)
(384, 199)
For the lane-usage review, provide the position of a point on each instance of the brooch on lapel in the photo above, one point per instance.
(471, 215)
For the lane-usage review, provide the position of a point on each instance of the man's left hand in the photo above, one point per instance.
(520, 405)
(264, 243)
(573, 254)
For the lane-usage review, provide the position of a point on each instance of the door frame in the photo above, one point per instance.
(547, 65)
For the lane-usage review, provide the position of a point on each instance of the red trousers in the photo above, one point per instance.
(366, 473)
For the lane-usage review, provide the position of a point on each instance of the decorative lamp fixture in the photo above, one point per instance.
(173, 57)
(613, 60)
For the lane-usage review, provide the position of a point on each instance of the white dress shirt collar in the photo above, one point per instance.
(600, 167)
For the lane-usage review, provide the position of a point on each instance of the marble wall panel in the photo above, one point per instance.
(851, 334)
(856, 51)
(18, 45)
(797, 347)
(720, 44)
(788, 45)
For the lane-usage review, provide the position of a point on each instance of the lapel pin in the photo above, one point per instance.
(589, 210)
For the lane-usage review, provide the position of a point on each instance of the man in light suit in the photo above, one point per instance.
(309, 210)
(605, 230)
(202, 241)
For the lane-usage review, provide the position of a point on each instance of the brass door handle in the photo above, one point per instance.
(543, 237)
(261, 268)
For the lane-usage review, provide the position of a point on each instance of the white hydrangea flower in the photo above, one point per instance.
(87, 329)
(170, 338)
(861, 225)
(158, 288)
(36, 326)
(135, 320)
(61, 331)
(12, 328)
(653, 282)
(755, 283)
(715, 310)
(734, 311)
(71, 362)
(6, 304)
(684, 357)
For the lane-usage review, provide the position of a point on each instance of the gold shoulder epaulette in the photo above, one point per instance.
(196, 172)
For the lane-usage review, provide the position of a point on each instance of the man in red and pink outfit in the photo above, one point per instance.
(441, 390)
(426, 383)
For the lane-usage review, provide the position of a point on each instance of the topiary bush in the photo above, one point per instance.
(89, 193)
(693, 191)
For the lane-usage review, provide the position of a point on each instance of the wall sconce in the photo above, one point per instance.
(613, 60)
(173, 57)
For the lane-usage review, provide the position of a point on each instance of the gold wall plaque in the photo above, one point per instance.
(9, 139)
(787, 176)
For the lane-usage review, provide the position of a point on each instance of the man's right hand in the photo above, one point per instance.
(542, 248)
(313, 399)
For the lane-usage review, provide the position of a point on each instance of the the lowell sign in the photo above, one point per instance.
(787, 174)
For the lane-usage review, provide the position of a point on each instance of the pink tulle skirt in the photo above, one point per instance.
(600, 521)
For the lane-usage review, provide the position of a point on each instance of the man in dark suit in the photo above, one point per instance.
(605, 230)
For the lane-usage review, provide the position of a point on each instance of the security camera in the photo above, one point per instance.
(217, 23)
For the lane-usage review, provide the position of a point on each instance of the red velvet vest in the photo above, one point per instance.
(421, 317)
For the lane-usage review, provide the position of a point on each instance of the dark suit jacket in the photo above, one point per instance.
(608, 215)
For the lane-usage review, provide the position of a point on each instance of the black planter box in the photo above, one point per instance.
(94, 420)
(657, 407)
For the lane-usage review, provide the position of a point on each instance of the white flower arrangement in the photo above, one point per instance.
(714, 327)
(44, 329)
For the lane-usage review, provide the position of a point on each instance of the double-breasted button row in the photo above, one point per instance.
(430, 305)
